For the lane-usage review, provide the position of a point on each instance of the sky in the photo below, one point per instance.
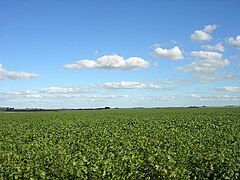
(146, 53)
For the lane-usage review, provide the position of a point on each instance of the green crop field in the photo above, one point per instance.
(121, 144)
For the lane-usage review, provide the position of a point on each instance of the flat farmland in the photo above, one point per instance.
(174, 143)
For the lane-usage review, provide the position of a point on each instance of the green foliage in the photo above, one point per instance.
(121, 144)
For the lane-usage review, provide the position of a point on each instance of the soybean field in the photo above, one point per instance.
(170, 143)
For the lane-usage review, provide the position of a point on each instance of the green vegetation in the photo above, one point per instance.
(121, 144)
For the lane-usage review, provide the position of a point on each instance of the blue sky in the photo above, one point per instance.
(139, 53)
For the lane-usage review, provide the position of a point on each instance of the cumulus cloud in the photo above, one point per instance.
(207, 61)
(217, 47)
(61, 90)
(210, 28)
(204, 34)
(128, 85)
(173, 53)
(234, 42)
(110, 62)
(231, 88)
(4, 74)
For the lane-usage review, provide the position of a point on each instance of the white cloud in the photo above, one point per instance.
(106, 96)
(206, 54)
(205, 78)
(57, 98)
(128, 85)
(204, 34)
(51, 92)
(61, 90)
(4, 74)
(194, 95)
(215, 97)
(209, 28)
(231, 88)
(207, 61)
(22, 92)
(110, 62)
(153, 86)
(177, 81)
(200, 36)
(217, 47)
(234, 42)
(152, 99)
(123, 85)
(73, 92)
(173, 53)
(33, 96)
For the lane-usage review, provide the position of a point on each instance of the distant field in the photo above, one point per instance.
(121, 144)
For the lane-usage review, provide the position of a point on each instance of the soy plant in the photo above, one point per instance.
(121, 144)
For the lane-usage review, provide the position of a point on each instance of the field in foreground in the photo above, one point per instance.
(121, 144)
